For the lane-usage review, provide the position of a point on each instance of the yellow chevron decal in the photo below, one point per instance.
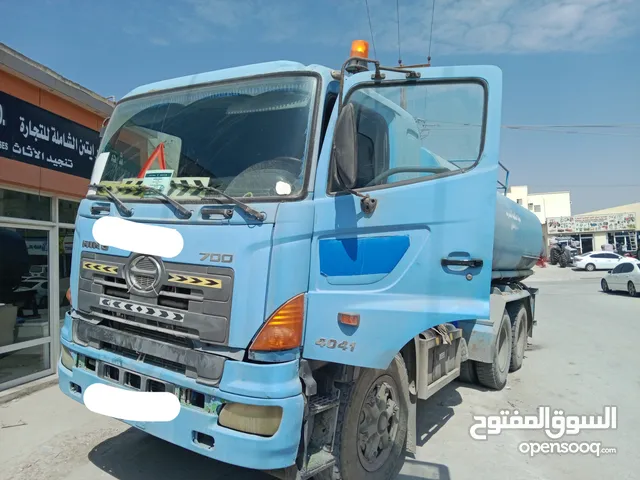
(197, 281)
(97, 267)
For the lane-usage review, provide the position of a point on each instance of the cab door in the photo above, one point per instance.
(427, 151)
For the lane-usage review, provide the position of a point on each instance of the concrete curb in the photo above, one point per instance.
(31, 387)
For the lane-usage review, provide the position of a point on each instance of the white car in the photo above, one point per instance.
(39, 285)
(597, 261)
(625, 276)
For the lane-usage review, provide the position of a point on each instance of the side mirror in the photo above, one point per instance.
(609, 271)
(344, 152)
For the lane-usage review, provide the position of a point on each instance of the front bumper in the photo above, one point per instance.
(252, 384)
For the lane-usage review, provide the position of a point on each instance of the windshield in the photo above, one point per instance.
(247, 138)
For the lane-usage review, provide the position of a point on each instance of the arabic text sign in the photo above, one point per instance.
(554, 422)
(36, 136)
(608, 222)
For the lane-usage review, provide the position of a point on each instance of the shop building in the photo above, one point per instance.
(49, 137)
(616, 226)
(543, 205)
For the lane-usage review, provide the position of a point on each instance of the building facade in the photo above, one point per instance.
(543, 205)
(49, 137)
(617, 226)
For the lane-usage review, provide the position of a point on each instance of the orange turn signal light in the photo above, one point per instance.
(68, 294)
(351, 319)
(283, 329)
(359, 48)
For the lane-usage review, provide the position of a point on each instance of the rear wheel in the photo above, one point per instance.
(519, 339)
(631, 288)
(494, 375)
(468, 372)
(605, 286)
(590, 267)
(372, 425)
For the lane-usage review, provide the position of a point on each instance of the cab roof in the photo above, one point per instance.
(228, 73)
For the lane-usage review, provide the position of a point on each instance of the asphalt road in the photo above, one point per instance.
(583, 357)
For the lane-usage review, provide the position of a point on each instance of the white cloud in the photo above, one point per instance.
(509, 26)
(461, 26)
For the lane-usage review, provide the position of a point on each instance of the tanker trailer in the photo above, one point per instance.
(495, 346)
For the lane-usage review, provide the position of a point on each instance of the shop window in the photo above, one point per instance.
(27, 361)
(24, 285)
(24, 205)
(67, 211)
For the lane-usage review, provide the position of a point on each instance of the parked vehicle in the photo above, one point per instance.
(597, 261)
(624, 277)
(307, 271)
(40, 286)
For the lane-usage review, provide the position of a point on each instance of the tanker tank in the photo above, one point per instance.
(518, 241)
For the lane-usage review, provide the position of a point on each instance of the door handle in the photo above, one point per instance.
(99, 208)
(468, 262)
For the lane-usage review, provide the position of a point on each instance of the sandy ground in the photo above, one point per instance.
(583, 357)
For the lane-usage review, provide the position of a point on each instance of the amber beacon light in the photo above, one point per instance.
(283, 329)
(359, 48)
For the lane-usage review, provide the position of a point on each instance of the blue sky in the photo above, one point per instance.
(564, 62)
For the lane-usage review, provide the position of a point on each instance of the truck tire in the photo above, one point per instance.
(494, 375)
(371, 435)
(562, 261)
(520, 334)
(468, 372)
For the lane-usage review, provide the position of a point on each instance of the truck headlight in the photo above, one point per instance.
(66, 358)
(254, 419)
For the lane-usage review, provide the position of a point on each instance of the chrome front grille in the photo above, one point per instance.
(182, 302)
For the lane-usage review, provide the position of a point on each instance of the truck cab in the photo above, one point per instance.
(289, 251)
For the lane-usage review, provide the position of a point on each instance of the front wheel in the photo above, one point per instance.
(631, 288)
(605, 286)
(372, 425)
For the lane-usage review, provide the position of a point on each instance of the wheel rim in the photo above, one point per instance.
(632, 289)
(605, 287)
(590, 268)
(378, 425)
(503, 351)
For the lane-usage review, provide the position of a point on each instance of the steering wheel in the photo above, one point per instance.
(265, 175)
(393, 171)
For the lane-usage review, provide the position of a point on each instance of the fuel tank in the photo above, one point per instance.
(518, 241)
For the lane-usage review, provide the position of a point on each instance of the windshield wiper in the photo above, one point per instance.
(119, 203)
(243, 206)
(147, 188)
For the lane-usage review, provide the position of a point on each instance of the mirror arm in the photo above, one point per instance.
(377, 75)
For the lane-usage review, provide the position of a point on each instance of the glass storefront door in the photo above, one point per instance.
(25, 303)
(36, 239)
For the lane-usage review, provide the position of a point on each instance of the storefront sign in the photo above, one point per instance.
(36, 136)
(37, 246)
(592, 223)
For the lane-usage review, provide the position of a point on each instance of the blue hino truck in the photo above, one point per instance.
(299, 254)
